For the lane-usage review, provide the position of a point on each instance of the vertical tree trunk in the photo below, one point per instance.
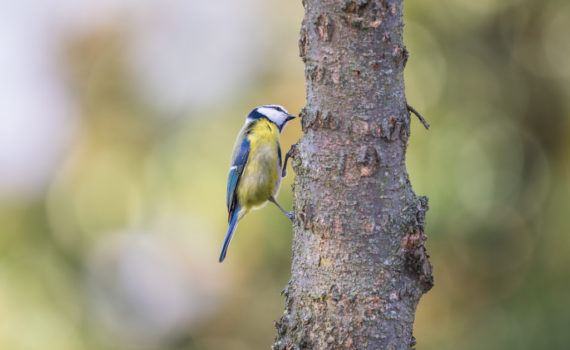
(359, 263)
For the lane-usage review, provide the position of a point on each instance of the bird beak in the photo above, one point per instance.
(290, 117)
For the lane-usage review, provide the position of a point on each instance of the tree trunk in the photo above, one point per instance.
(359, 263)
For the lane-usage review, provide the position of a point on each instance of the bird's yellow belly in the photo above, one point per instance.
(260, 179)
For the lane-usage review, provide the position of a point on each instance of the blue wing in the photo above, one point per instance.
(233, 178)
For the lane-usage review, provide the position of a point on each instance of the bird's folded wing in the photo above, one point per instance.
(235, 173)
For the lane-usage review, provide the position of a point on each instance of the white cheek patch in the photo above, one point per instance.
(274, 115)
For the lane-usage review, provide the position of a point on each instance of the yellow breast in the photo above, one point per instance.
(260, 179)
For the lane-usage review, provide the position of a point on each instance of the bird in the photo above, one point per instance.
(255, 171)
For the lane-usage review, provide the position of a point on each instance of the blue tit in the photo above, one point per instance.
(256, 170)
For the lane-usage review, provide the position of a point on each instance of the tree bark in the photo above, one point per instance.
(359, 264)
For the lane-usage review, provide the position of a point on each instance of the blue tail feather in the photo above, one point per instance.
(231, 229)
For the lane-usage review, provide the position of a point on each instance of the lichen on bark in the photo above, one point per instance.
(359, 263)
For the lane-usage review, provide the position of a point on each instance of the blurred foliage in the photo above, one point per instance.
(119, 251)
(492, 77)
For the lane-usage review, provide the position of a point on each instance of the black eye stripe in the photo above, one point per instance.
(256, 114)
(277, 108)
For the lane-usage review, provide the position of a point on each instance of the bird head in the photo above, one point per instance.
(274, 113)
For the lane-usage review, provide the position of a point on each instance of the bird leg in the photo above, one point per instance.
(289, 215)
(287, 156)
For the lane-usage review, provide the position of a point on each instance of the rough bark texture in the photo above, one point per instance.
(359, 263)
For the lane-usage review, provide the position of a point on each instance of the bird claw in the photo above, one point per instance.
(290, 215)
(287, 156)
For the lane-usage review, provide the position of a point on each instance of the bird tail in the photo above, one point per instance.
(230, 233)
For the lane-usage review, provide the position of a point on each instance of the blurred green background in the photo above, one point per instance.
(117, 121)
